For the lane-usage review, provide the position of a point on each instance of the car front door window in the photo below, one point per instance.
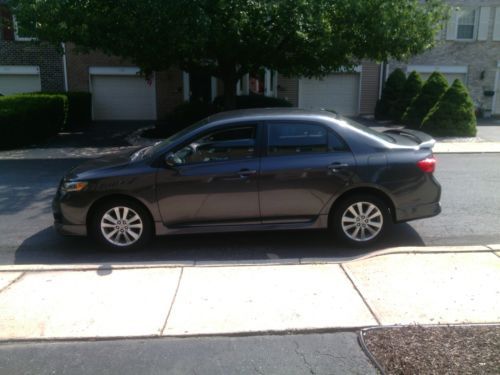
(221, 145)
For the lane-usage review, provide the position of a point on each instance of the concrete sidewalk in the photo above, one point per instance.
(397, 286)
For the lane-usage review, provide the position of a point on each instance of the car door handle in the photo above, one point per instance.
(335, 167)
(244, 173)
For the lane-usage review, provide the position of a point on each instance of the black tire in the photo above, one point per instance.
(144, 234)
(347, 235)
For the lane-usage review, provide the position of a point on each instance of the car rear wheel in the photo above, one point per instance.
(361, 220)
(121, 225)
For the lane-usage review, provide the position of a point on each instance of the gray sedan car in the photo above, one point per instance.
(250, 170)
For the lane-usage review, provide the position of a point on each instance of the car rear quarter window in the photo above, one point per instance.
(302, 138)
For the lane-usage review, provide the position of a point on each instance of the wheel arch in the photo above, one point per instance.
(95, 205)
(367, 190)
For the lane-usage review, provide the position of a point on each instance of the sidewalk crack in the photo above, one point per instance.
(173, 301)
(361, 295)
(12, 282)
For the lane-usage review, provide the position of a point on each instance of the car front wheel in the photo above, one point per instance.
(361, 220)
(121, 225)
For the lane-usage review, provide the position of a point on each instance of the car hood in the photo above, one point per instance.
(101, 166)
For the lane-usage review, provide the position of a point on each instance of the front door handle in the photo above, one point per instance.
(336, 167)
(244, 173)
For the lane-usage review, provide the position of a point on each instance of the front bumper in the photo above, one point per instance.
(60, 223)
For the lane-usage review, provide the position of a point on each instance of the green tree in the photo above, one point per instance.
(435, 86)
(391, 93)
(453, 115)
(229, 38)
(411, 89)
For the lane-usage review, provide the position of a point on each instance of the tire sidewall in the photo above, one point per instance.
(336, 222)
(95, 224)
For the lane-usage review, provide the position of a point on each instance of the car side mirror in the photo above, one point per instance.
(171, 160)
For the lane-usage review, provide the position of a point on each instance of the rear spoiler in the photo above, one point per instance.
(423, 140)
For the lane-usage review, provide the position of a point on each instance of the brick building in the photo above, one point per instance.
(25, 64)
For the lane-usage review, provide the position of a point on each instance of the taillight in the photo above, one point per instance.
(427, 165)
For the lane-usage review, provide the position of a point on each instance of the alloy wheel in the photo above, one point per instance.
(121, 226)
(362, 221)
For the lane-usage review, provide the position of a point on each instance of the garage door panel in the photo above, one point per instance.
(338, 92)
(123, 98)
(19, 83)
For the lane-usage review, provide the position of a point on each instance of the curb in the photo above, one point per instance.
(250, 263)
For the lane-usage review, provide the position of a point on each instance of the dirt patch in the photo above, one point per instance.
(436, 350)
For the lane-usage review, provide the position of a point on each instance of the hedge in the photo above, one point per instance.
(25, 119)
(188, 113)
(79, 108)
(453, 115)
(253, 101)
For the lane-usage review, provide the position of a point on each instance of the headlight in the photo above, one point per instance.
(72, 186)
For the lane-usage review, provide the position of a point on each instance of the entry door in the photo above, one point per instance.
(305, 165)
(213, 179)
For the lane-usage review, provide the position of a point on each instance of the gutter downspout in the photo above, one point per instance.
(65, 67)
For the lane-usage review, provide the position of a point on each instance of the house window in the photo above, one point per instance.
(466, 24)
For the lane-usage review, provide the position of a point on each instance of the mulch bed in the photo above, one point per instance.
(436, 350)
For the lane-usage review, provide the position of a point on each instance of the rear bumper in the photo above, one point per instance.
(417, 212)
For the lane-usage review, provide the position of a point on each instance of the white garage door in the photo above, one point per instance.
(450, 77)
(338, 92)
(17, 83)
(122, 97)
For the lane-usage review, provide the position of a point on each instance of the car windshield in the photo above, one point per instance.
(368, 130)
(152, 150)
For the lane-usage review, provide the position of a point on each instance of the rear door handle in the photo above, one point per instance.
(244, 173)
(335, 167)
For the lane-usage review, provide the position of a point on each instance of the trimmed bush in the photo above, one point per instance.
(393, 89)
(25, 119)
(432, 90)
(453, 115)
(253, 101)
(411, 88)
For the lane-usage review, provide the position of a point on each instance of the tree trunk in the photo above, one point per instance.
(229, 92)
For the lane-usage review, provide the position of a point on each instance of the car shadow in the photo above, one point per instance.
(47, 247)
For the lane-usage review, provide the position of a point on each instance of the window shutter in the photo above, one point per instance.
(6, 24)
(484, 21)
(451, 27)
(496, 29)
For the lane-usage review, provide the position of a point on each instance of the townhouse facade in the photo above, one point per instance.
(25, 64)
(468, 48)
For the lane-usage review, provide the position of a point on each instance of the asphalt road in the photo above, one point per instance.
(470, 201)
(328, 353)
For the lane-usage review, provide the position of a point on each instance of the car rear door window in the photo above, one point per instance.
(302, 138)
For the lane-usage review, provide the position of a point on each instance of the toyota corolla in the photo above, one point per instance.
(250, 170)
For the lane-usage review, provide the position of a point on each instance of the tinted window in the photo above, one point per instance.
(220, 145)
(297, 138)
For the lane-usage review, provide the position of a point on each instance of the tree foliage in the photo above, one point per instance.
(393, 89)
(411, 88)
(229, 38)
(453, 115)
(435, 86)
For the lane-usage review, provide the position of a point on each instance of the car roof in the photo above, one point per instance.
(270, 113)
